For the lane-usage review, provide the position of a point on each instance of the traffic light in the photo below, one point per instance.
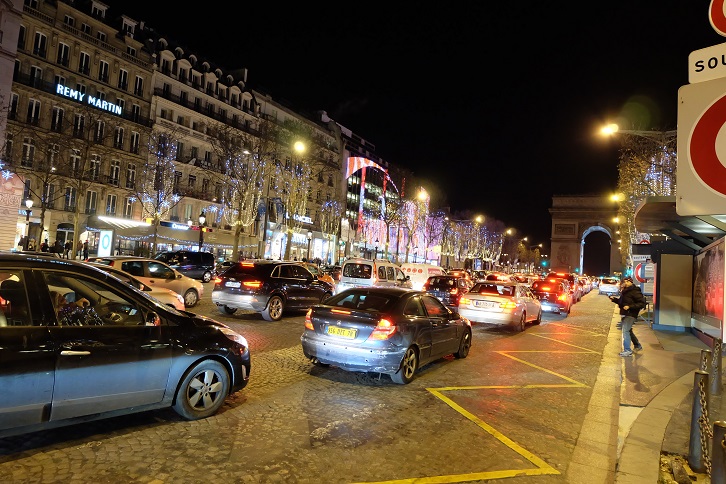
(544, 263)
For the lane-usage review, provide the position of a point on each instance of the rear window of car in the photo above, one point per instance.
(490, 288)
(360, 300)
(358, 270)
(545, 286)
(610, 281)
(239, 269)
(442, 281)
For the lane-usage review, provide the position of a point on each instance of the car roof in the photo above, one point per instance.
(391, 291)
(36, 261)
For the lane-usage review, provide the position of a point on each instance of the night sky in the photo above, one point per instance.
(498, 104)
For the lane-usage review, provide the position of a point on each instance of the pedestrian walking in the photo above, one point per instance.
(630, 302)
(85, 251)
(68, 247)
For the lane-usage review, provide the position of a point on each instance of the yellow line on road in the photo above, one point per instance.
(564, 343)
(574, 382)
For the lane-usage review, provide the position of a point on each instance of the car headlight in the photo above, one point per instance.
(234, 336)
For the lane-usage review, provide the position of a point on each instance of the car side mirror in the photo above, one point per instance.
(152, 319)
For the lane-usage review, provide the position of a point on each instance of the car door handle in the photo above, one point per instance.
(75, 353)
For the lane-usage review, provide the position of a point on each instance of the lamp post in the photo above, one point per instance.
(28, 211)
(202, 219)
(376, 254)
(310, 239)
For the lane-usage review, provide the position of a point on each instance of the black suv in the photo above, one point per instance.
(197, 265)
(268, 287)
(75, 340)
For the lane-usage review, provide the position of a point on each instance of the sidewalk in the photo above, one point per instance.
(656, 399)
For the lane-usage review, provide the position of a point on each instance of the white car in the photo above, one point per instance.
(156, 275)
(610, 286)
(164, 296)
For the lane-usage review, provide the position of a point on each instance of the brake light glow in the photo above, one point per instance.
(252, 283)
(339, 311)
(464, 300)
(562, 297)
(217, 280)
(247, 264)
(508, 305)
(383, 330)
(546, 288)
(309, 320)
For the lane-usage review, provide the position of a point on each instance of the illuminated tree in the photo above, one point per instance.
(330, 217)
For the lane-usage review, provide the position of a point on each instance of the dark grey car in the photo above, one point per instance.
(383, 330)
(78, 344)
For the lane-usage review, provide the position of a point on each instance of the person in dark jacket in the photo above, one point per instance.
(631, 302)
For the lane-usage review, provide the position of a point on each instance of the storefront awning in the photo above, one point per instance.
(658, 215)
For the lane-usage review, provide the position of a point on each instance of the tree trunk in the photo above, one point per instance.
(288, 244)
(156, 234)
(235, 246)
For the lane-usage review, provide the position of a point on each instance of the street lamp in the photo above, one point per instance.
(310, 239)
(29, 205)
(376, 256)
(202, 219)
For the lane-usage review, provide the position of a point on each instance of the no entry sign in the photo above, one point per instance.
(701, 172)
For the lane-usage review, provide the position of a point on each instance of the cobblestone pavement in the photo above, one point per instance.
(512, 410)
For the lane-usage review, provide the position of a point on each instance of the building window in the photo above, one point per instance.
(21, 38)
(118, 138)
(36, 76)
(53, 151)
(84, 63)
(70, 200)
(121, 103)
(81, 88)
(123, 79)
(135, 113)
(26, 190)
(100, 131)
(135, 142)
(68, 20)
(91, 202)
(60, 80)
(78, 125)
(131, 51)
(33, 112)
(208, 156)
(64, 54)
(49, 196)
(205, 187)
(28, 152)
(110, 204)
(97, 11)
(56, 120)
(114, 172)
(101, 36)
(103, 71)
(130, 175)
(94, 170)
(139, 86)
(128, 207)
(40, 45)
(75, 160)
(192, 182)
(86, 29)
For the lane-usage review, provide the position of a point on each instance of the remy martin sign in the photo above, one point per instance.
(82, 97)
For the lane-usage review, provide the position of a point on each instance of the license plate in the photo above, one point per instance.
(342, 332)
(484, 304)
(233, 284)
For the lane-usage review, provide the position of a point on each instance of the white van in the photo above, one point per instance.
(358, 272)
(420, 272)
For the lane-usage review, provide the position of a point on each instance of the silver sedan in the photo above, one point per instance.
(501, 303)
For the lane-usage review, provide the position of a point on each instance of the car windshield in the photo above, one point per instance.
(360, 300)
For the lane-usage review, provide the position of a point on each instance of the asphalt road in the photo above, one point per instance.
(512, 410)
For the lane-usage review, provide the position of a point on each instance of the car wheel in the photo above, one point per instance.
(409, 364)
(202, 391)
(207, 276)
(522, 323)
(464, 346)
(539, 317)
(191, 298)
(326, 296)
(273, 311)
(227, 310)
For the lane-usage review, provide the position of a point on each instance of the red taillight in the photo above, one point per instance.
(217, 280)
(562, 297)
(546, 288)
(254, 284)
(339, 311)
(383, 330)
(508, 305)
(309, 319)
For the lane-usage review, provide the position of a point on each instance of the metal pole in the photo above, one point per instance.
(27, 229)
(718, 451)
(716, 369)
(697, 450)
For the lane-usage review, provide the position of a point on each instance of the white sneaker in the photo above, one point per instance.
(626, 353)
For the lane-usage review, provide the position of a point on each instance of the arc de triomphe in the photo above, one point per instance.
(574, 217)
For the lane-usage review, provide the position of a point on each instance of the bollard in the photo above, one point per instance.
(705, 360)
(715, 377)
(697, 448)
(718, 452)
